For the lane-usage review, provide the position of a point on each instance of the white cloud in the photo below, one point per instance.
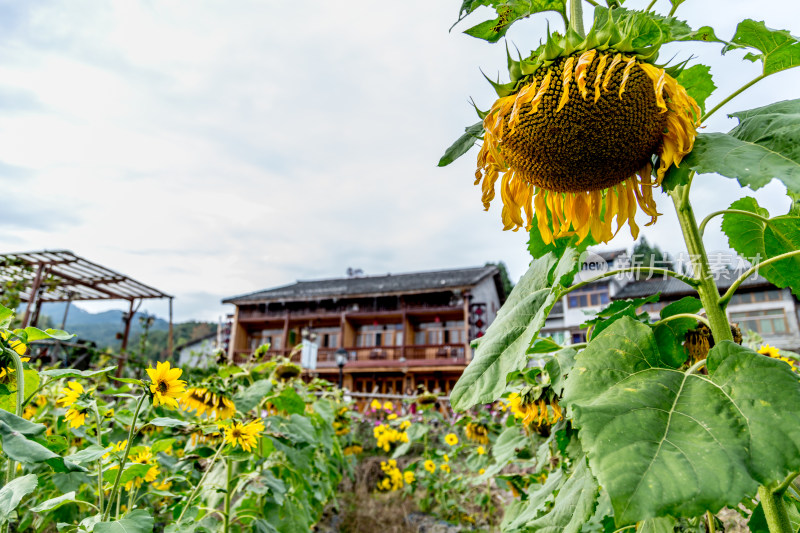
(211, 149)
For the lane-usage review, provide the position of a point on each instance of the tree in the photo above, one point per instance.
(645, 254)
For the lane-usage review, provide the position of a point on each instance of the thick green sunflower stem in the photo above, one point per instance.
(19, 371)
(124, 459)
(576, 17)
(774, 511)
(706, 288)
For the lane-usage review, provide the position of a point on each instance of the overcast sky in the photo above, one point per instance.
(211, 149)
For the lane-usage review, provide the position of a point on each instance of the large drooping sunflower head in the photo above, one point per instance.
(208, 401)
(575, 136)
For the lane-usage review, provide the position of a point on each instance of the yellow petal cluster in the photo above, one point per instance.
(386, 436)
(204, 401)
(394, 477)
(244, 435)
(477, 433)
(165, 385)
(534, 413)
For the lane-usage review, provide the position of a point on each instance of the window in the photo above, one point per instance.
(765, 322)
(578, 337)
(591, 296)
(381, 335)
(273, 337)
(771, 295)
(451, 332)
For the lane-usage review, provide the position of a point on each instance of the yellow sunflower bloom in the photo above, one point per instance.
(430, 466)
(477, 433)
(573, 145)
(76, 417)
(444, 467)
(165, 385)
(481, 450)
(202, 400)
(71, 393)
(408, 477)
(451, 439)
(774, 353)
(244, 435)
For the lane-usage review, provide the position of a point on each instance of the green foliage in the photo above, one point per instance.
(779, 50)
(503, 348)
(665, 441)
(698, 83)
(136, 521)
(462, 145)
(765, 145)
(12, 493)
(758, 239)
(508, 12)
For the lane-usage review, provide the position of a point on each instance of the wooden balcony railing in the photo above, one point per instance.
(364, 356)
(254, 314)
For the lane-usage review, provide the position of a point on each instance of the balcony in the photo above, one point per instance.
(254, 315)
(380, 356)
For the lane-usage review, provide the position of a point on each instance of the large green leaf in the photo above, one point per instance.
(779, 49)
(757, 240)
(136, 521)
(670, 334)
(538, 248)
(31, 334)
(462, 145)
(558, 367)
(765, 145)
(573, 505)
(508, 12)
(19, 448)
(74, 372)
(248, 398)
(26, 427)
(535, 503)
(698, 83)
(665, 442)
(12, 493)
(55, 503)
(503, 348)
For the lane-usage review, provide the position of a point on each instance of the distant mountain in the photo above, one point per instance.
(102, 328)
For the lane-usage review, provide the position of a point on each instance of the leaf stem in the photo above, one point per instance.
(593, 3)
(786, 483)
(650, 6)
(228, 491)
(712, 526)
(20, 375)
(124, 458)
(732, 211)
(683, 315)
(638, 270)
(100, 461)
(576, 17)
(200, 483)
(749, 272)
(731, 96)
(695, 367)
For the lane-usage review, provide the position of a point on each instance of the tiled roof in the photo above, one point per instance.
(413, 282)
(671, 287)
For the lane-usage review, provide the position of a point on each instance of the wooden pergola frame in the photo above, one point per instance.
(62, 276)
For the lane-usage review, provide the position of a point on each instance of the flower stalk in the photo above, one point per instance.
(15, 358)
(200, 483)
(124, 459)
(228, 491)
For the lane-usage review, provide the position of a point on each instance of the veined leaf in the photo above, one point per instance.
(508, 12)
(25, 427)
(471, 135)
(573, 506)
(12, 493)
(558, 366)
(665, 442)
(19, 448)
(74, 372)
(503, 348)
(535, 503)
(757, 240)
(698, 83)
(780, 50)
(136, 521)
(765, 145)
(31, 380)
(248, 398)
(55, 503)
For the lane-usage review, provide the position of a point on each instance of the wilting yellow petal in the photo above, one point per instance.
(625, 74)
(598, 77)
(610, 71)
(565, 81)
(584, 62)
